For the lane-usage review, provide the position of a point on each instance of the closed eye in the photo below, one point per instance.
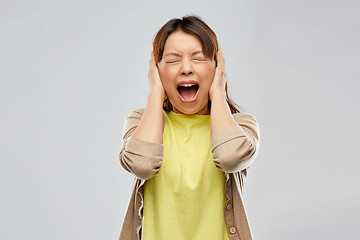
(172, 61)
(200, 60)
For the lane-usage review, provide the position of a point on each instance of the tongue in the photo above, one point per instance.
(188, 92)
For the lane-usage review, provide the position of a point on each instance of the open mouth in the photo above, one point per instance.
(188, 92)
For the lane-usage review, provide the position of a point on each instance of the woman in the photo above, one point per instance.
(190, 148)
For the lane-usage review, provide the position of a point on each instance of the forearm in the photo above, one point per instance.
(234, 141)
(220, 115)
(150, 128)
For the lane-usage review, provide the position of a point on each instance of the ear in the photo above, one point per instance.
(216, 58)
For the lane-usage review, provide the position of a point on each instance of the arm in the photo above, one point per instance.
(234, 137)
(141, 158)
(142, 149)
(235, 148)
(220, 115)
(151, 126)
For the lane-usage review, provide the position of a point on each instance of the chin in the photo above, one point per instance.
(193, 110)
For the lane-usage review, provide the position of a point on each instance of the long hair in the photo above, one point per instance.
(194, 25)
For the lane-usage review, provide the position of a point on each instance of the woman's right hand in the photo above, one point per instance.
(154, 78)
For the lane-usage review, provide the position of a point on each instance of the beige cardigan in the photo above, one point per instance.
(234, 150)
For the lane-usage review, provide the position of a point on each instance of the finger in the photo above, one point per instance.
(152, 61)
(222, 59)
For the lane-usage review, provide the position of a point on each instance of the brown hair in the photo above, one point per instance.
(195, 26)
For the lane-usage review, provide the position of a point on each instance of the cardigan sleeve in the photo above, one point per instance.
(235, 148)
(140, 158)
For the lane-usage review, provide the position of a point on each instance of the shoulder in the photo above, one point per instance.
(136, 113)
(133, 118)
(248, 122)
(244, 117)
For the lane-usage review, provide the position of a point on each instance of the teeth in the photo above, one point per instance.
(187, 85)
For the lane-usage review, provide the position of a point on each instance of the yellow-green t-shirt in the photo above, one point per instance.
(186, 199)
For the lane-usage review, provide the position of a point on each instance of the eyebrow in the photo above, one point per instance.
(178, 55)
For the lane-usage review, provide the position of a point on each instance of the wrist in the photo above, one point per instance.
(218, 93)
(156, 96)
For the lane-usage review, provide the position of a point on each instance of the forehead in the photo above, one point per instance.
(182, 42)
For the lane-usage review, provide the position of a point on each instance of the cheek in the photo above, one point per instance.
(168, 76)
(207, 73)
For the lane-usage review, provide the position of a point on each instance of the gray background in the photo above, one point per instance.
(72, 70)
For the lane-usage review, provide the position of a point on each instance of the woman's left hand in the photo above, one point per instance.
(218, 84)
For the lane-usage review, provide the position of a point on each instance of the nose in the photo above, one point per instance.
(186, 67)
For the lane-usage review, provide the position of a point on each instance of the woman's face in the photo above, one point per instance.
(183, 62)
